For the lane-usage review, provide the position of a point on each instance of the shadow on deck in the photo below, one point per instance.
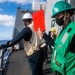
(18, 65)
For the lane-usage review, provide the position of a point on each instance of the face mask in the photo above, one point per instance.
(60, 21)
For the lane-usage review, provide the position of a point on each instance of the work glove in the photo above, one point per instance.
(9, 43)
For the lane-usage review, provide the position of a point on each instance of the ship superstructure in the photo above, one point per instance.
(46, 5)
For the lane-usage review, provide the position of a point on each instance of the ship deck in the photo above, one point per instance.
(18, 64)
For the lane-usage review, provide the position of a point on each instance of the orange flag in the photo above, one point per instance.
(39, 20)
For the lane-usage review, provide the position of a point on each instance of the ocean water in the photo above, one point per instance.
(3, 41)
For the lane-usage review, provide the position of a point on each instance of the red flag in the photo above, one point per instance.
(39, 20)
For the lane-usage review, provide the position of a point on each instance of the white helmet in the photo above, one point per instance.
(27, 16)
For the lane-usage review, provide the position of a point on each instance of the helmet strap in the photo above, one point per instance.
(65, 19)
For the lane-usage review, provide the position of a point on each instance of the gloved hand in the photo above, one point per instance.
(9, 43)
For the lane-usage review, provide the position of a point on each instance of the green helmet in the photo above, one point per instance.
(61, 6)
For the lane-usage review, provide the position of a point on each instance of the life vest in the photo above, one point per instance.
(62, 57)
(32, 46)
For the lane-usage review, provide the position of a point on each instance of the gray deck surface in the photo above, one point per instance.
(18, 65)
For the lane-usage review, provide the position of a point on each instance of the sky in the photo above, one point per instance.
(8, 10)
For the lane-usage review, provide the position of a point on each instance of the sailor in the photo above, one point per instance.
(63, 56)
(31, 45)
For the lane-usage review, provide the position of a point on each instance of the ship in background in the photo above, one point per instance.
(46, 5)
